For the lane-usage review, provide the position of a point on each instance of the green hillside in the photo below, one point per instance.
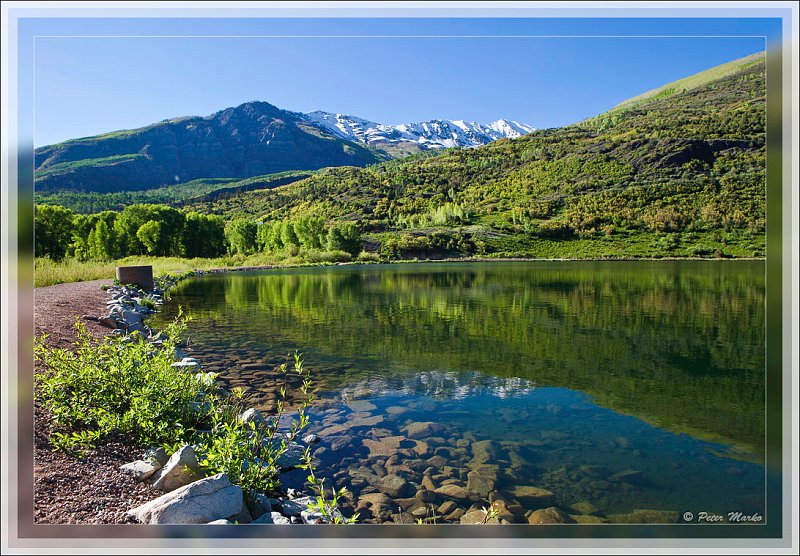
(678, 171)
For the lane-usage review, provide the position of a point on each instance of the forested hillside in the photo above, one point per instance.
(679, 171)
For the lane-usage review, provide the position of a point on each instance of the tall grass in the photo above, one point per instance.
(48, 272)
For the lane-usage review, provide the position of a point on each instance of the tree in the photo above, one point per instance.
(288, 235)
(149, 234)
(203, 236)
(241, 236)
(344, 236)
(52, 231)
(101, 242)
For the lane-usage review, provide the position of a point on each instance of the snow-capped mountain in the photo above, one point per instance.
(433, 134)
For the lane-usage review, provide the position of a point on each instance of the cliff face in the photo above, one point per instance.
(253, 139)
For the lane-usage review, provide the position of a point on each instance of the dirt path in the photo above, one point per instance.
(68, 489)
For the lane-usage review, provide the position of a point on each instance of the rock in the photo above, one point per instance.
(645, 516)
(395, 486)
(205, 500)
(180, 470)
(588, 519)
(480, 484)
(596, 471)
(554, 435)
(259, 504)
(437, 462)
(483, 451)
(427, 483)
(292, 457)
(220, 522)
(584, 507)
(293, 508)
(251, 415)
(505, 513)
(548, 516)
(156, 454)
(243, 517)
(477, 517)
(311, 439)
(396, 410)
(365, 422)
(332, 430)
(361, 406)
(378, 504)
(313, 517)
(272, 518)
(422, 429)
(453, 491)
(419, 511)
(531, 496)
(630, 476)
(140, 470)
(446, 507)
(428, 496)
(108, 321)
(384, 447)
(186, 366)
(455, 515)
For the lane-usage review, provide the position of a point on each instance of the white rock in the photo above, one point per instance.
(206, 500)
(140, 469)
(186, 365)
(180, 470)
(253, 415)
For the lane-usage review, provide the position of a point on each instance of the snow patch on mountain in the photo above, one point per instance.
(433, 134)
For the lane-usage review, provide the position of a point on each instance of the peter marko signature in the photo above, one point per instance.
(730, 517)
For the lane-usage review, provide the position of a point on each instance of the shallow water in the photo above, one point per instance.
(628, 385)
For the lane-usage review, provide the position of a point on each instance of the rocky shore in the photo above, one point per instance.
(152, 487)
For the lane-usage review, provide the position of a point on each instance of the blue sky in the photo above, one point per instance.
(388, 70)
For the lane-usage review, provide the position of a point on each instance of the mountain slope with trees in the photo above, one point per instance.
(678, 171)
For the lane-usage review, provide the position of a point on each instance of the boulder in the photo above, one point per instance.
(251, 415)
(140, 470)
(422, 429)
(259, 504)
(311, 439)
(202, 501)
(584, 507)
(395, 486)
(446, 507)
(156, 454)
(361, 405)
(180, 470)
(483, 451)
(630, 476)
(453, 491)
(384, 447)
(220, 522)
(531, 496)
(477, 517)
(293, 508)
(549, 516)
(272, 518)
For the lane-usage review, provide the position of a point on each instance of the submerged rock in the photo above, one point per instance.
(422, 429)
(549, 515)
(478, 517)
(531, 496)
(395, 486)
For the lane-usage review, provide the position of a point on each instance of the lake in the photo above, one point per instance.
(616, 391)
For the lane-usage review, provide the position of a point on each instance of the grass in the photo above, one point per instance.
(48, 272)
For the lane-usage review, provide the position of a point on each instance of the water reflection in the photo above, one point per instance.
(668, 356)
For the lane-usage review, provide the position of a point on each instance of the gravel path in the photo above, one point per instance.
(68, 489)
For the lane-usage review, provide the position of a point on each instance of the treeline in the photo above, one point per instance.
(162, 231)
